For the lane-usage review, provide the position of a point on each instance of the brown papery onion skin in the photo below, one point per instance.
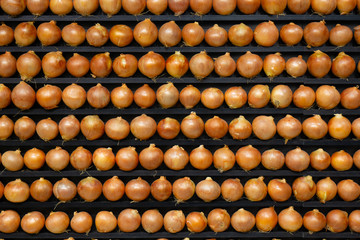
(248, 6)
(304, 97)
(57, 222)
(264, 127)
(49, 33)
(12, 160)
(348, 190)
(327, 97)
(354, 220)
(78, 65)
(127, 159)
(6, 127)
(249, 65)
(201, 158)
(57, 159)
(279, 190)
(86, 7)
(316, 34)
(314, 221)
(97, 35)
(232, 189)
(110, 7)
(10, 221)
(168, 128)
(281, 96)
(81, 222)
(122, 97)
(350, 98)
(24, 128)
(201, 7)
(156, 7)
(290, 220)
(103, 159)
(177, 65)
(319, 159)
(356, 158)
(248, 157)
(192, 126)
(346, 6)
(12, 7)
(224, 7)
(41, 190)
(326, 189)
(89, 189)
(176, 158)
(161, 189)
(125, 65)
(151, 157)
(121, 35)
(212, 98)
(297, 160)
(291, 34)
(266, 219)
(343, 65)
(240, 128)
(323, 7)
(143, 127)
(137, 189)
(144, 96)
(259, 96)
(355, 128)
(101, 65)
(183, 189)
(47, 129)
(169, 34)
(201, 65)
(151, 64)
(145, 33)
(296, 66)
(174, 221)
(134, 7)
(53, 64)
(105, 222)
(235, 97)
(74, 96)
(339, 127)
(225, 65)
(224, 159)
(273, 7)
(274, 65)
(219, 220)
(98, 96)
(28, 65)
(216, 36)
(304, 188)
(289, 127)
(192, 34)
(92, 127)
(178, 6)
(69, 127)
(340, 35)
(32, 222)
(61, 7)
(25, 34)
(189, 96)
(315, 127)
(341, 161)
(64, 190)
(6, 35)
(337, 221)
(208, 190)
(117, 128)
(167, 95)
(113, 189)
(81, 159)
(196, 222)
(73, 34)
(7, 64)
(34, 159)
(266, 34)
(216, 127)
(255, 189)
(243, 220)
(16, 191)
(298, 6)
(49, 96)
(240, 35)
(152, 221)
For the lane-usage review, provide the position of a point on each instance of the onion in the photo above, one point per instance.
(32, 222)
(97, 35)
(192, 34)
(259, 96)
(13, 7)
(248, 6)
(183, 189)
(81, 159)
(341, 161)
(319, 64)
(356, 158)
(69, 127)
(314, 221)
(357, 33)
(288, 127)
(53, 64)
(41, 190)
(266, 34)
(151, 64)
(219, 220)
(201, 65)
(89, 189)
(189, 96)
(266, 219)
(144, 96)
(316, 34)
(6, 35)
(339, 127)
(174, 221)
(297, 160)
(170, 34)
(343, 65)
(74, 96)
(57, 222)
(78, 65)
(354, 221)
(264, 127)
(279, 190)
(326, 189)
(304, 97)
(319, 159)
(6, 127)
(225, 65)
(7, 64)
(16, 191)
(281, 96)
(354, 127)
(232, 190)
(86, 7)
(105, 222)
(327, 97)
(196, 222)
(240, 35)
(216, 127)
(25, 34)
(176, 158)
(255, 189)
(103, 159)
(272, 159)
(323, 7)
(208, 190)
(81, 222)
(127, 159)
(249, 65)
(248, 157)
(47, 129)
(348, 190)
(156, 7)
(98, 96)
(73, 34)
(137, 189)
(122, 97)
(216, 36)
(315, 127)
(290, 220)
(143, 127)
(48, 96)
(125, 65)
(242, 221)
(201, 7)
(296, 66)
(340, 35)
(92, 127)
(117, 128)
(168, 128)
(121, 35)
(64, 190)
(346, 6)
(24, 128)
(192, 126)
(298, 6)
(48, 33)
(224, 7)
(161, 189)
(145, 33)
(224, 159)
(113, 189)
(34, 159)
(235, 97)
(61, 7)
(101, 65)
(152, 221)
(12, 160)
(151, 157)
(274, 65)
(350, 98)
(201, 158)
(291, 34)
(177, 65)
(212, 98)
(273, 7)
(337, 221)
(134, 7)
(178, 6)
(9, 221)
(110, 7)
(57, 159)
(28, 65)
(304, 188)
(167, 95)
